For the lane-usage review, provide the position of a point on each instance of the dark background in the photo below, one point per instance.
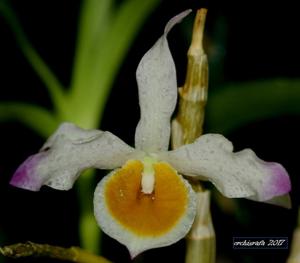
(252, 41)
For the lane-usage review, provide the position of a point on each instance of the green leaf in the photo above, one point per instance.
(93, 23)
(54, 87)
(35, 117)
(238, 104)
(89, 230)
(107, 59)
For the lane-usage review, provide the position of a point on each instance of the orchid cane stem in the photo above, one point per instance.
(72, 254)
(186, 128)
(201, 246)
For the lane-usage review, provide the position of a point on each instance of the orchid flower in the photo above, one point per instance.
(145, 202)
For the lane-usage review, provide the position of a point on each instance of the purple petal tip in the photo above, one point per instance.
(25, 176)
(279, 183)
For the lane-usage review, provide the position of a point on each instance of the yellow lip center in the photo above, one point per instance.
(146, 214)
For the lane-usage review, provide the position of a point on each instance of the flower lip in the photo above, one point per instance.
(154, 220)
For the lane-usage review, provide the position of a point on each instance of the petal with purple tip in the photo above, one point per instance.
(240, 174)
(278, 183)
(68, 152)
(26, 177)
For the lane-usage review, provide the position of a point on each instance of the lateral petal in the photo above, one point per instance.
(68, 152)
(157, 84)
(240, 174)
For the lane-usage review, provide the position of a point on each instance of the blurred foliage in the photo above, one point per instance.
(250, 102)
(101, 45)
(28, 114)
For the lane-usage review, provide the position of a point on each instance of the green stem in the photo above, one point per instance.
(107, 57)
(89, 231)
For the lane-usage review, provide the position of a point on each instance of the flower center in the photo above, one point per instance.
(147, 209)
(148, 175)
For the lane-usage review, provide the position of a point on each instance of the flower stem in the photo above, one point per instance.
(186, 128)
(73, 254)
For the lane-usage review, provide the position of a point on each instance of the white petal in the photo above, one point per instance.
(156, 78)
(68, 152)
(134, 242)
(240, 174)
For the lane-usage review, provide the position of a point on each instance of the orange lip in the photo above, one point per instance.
(146, 214)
